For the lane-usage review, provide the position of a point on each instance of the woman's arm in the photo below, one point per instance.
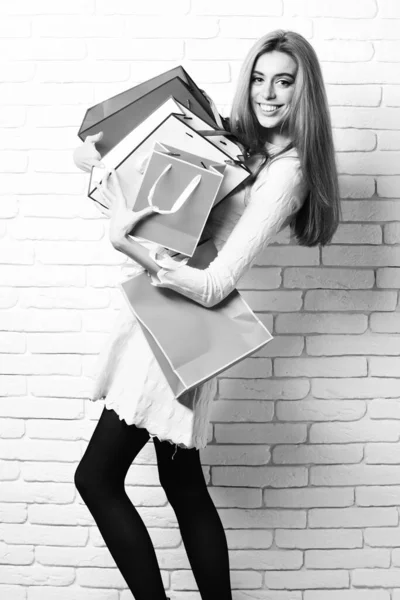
(273, 200)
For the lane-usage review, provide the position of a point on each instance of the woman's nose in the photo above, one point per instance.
(268, 91)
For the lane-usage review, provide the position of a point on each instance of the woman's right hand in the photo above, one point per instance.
(86, 156)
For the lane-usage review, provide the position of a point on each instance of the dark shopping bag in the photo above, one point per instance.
(117, 116)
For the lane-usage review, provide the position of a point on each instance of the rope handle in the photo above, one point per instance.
(180, 201)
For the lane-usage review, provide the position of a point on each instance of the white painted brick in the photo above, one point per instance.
(12, 385)
(241, 538)
(347, 595)
(276, 477)
(388, 187)
(358, 234)
(368, 343)
(39, 320)
(391, 233)
(385, 322)
(48, 471)
(388, 140)
(343, 50)
(233, 518)
(247, 411)
(16, 253)
(355, 186)
(355, 388)
(260, 278)
(184, 580)
(77, 253)
(178, 27)
(235, 497)
(13, 513)
(12, 343)
(259, 559)
(151, 7)
(285, 301)
(376, 577)
(381, 366)
(384, 536)
(36, 183)
(13, 591)
(16, 555)
(356, 29)
(42, 276)
(308, 498)
(391, 96)
(354, 475)
(354, 95)
(284, 345)
(43, 535)
(39, 450)
(318, 454)
(12, 116)
(362, 73)
(59, 593)
(387, 278)
(384, 495)
(363, 431)
(243, 27)
(320, 367)
(10, 471)
(327, 8)
(64, 26)
(384, 409)
(43, 49)
(235, 455)
(8, 297)
(60, 386)
(65, 297)
(13, 162)
(260, 434)
(288, 256)
(342, 300)
(307, 579)
(56, 229)
(314, 410)
(242, 389)
(377, 163)
(221, 7)
(319, 538)
(16, 72)
(382, 454)
(321, 323)
(39, 408)
(12, 428)
(347, 559)
(37, 575)
(129, 49)
(361, 255)
(328, 278)
(46, 493)
(250, 368)
(352, 517)
(387, 51)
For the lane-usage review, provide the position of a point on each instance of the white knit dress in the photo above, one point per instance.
(128, 376)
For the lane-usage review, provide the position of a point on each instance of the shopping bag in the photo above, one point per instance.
(170, 124)
(117, 116)
(181, 188)
(191, 343)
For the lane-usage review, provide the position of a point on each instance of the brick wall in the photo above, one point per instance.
(304, 459)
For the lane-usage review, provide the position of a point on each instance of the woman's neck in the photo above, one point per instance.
(277, 137)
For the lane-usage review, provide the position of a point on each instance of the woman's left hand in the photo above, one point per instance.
(122, 218)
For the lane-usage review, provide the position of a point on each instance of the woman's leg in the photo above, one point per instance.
(100, 479)
(201, 528)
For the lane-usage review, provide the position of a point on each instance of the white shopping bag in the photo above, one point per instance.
(191, 343)
(174, 125)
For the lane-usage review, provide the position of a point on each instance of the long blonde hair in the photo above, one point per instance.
(310, 130)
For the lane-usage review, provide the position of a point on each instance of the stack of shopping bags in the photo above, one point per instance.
(170, 151)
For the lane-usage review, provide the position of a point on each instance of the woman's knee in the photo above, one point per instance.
(84, 483)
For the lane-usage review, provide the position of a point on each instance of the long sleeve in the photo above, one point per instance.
(276, 195)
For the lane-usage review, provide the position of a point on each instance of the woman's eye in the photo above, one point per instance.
(284, 82)
(256, 79)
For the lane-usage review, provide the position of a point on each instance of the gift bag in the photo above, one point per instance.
(117, 116)
(170, 124)
(181, 188)
(191, 343)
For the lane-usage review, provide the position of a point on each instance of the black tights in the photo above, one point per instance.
(100, 480)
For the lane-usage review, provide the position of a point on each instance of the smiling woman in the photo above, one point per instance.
(280, 115)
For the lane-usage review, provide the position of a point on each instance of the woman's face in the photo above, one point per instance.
(272, 88)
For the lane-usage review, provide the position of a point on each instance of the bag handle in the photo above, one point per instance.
(180, 201)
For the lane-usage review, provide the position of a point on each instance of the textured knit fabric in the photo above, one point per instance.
(129, 377)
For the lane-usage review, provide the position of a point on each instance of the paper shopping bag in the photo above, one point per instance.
(181, 188)
(169, 124)
(117, 116)
(191, 343)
